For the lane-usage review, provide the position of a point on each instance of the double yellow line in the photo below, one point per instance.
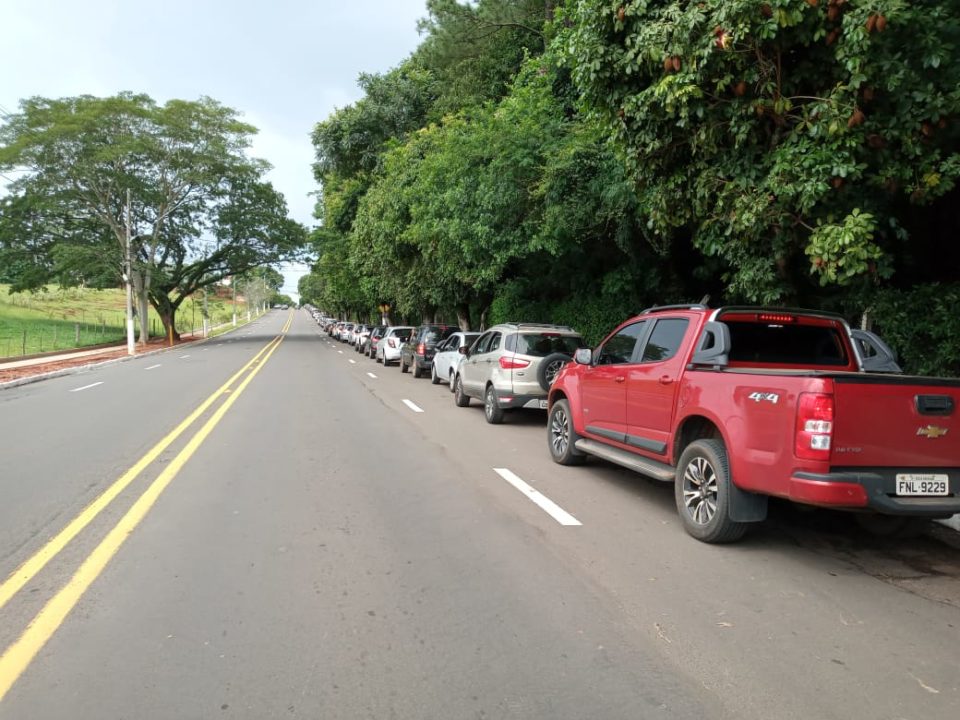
(18, 656)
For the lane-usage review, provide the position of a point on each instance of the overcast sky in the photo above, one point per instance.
(285, 64)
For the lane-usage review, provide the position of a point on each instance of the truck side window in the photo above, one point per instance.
(619, 349)
(665, 340)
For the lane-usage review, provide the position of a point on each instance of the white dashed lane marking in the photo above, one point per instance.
(545, 503)
(87, 387)
(413, 406)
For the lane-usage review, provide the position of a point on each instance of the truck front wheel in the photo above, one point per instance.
(702, 491)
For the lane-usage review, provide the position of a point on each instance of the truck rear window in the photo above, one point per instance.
(752, 342)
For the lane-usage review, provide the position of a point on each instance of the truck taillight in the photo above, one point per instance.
(513, 363)
(814, 426)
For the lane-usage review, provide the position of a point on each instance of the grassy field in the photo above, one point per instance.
(64, 319)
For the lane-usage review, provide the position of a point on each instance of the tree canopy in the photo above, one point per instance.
(200, 210)
(576, 161)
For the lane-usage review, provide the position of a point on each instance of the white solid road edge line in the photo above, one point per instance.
(412, 406)
(87, 387)
(545, 503)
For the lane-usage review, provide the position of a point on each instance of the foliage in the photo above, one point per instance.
(921, 324)
(757, 129)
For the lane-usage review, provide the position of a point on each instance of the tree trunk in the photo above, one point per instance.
(144, 308)
(463, 317)
(168, 316)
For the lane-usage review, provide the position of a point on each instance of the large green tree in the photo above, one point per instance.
(199, 208)
(784, 138)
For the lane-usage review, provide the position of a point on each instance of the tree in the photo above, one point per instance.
(785, 139)
(199, 208)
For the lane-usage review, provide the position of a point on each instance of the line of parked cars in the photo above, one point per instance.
(507, 367)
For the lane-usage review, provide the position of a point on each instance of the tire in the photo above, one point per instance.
(403, 366)
(417, 370)
(434, 378)
(459, 396)
(450, 380)
(549, 368)
(702, 492)
(491, 409)
(561, 437)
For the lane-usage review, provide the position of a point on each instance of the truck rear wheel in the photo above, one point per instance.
(702, 492)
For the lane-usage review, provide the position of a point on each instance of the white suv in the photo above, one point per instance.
(513, 365)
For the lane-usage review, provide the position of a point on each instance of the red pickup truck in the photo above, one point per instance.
(738, 404)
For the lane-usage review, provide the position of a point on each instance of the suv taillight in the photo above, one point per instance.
(513, 363)
(421, 349)
(814, 426)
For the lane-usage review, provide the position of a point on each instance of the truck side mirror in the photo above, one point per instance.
(713, 348)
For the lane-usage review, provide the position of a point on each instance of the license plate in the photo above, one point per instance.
(543, 404)
(919, 484)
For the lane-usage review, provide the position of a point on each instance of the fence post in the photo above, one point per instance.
(76, 334)
(54, 337)
(24, 342)
(41, 339)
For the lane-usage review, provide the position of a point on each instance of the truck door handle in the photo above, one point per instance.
(665, 379)
(619, 378)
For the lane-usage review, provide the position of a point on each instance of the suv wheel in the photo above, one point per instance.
(702, 492)
(561, 436)
(491, 409)
(459, 396)
(417, 370)
(403, 365)
(549, 368)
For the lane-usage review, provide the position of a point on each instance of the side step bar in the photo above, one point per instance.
(644, 466)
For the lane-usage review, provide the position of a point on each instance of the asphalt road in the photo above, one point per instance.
(332, 539)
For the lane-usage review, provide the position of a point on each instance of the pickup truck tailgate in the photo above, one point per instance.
(896, 421)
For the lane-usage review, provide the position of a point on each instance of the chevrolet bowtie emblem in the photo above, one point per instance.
(932, 431)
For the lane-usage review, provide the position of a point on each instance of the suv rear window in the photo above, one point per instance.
(543, 344)
(752, 342)
(402, 334)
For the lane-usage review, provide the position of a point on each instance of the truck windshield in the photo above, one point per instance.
(752, 342)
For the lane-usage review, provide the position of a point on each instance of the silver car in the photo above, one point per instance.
(388, 349)
(513, 365)
(448, 357)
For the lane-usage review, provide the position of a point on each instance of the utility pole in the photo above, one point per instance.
(127, 280)
(233, 286)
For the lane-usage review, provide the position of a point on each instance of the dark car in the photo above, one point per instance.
(418, 351)
(370, 346)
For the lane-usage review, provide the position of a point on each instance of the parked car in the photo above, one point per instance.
(391, 344)
(513, 366)
(360, 335)
(418, 351)
(346, 333)
(448, 357)
(370, 347)
(735, 405)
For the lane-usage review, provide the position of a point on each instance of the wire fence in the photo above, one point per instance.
(23, 338)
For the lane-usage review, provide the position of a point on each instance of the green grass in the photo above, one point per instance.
(65, 319)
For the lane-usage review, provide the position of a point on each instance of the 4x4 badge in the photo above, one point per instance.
(932, 431)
